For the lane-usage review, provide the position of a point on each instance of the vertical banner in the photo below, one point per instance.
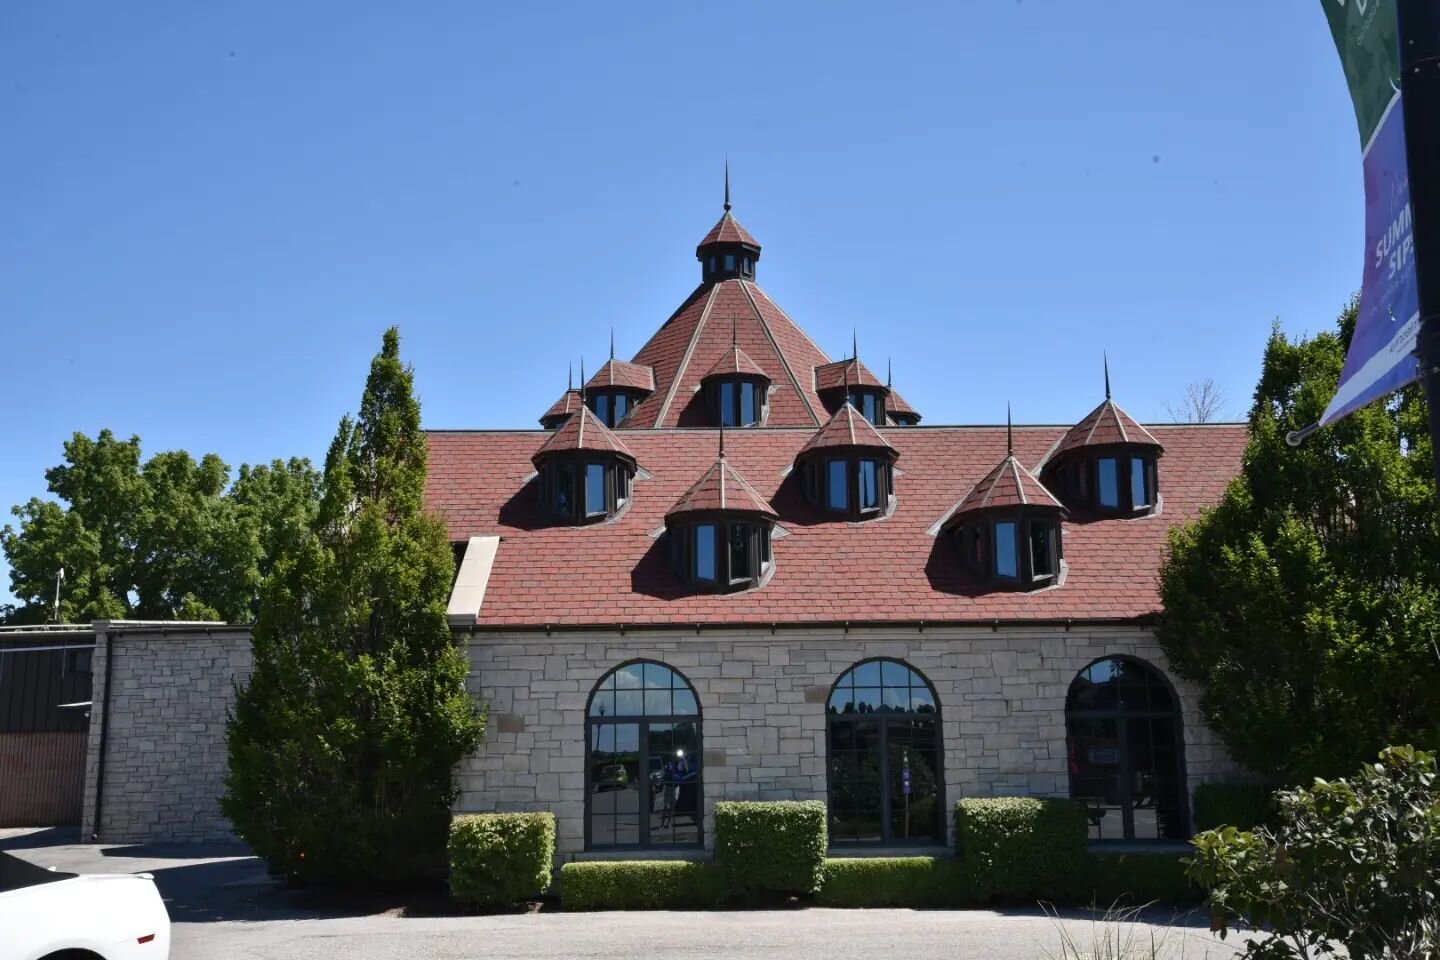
(1381, 358)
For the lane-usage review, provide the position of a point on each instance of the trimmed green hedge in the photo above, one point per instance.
(643, 885)
(775, 848)
(1024, 848)
(498, 859)
(898, 882)
(1133, 879)
(1243, 806)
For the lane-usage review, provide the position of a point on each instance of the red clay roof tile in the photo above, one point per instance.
(735, 362)
(583, 431)
(1008, 485)
(728, 230)
(847, 428)
(563, 407)
(834, 376)
(620, 373)
(1106, 424)
(896, 404)
(720, 488)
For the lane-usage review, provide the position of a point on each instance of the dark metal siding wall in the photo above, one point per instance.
(42, 747)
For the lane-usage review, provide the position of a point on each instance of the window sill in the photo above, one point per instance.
(629, 853)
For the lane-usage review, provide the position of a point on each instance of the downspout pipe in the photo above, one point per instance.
(104, 735)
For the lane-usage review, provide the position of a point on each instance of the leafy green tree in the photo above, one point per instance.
(1353, 865)
(1306, 605)
(343, 744)
(160, 540)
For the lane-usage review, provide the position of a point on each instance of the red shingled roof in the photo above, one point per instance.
(1106, 424)
(847, 428)
(583, 431)
(563, 407)
(896, 404)
(833, 376)
(720, 488)
(733, 362)
(713, 319)
(728, 230)
(620, 373)
(1008, 485)
(619, 572)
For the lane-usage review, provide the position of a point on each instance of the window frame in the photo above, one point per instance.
(617, 475)
(739, 385)
(978, 540)
(873, 395)
(685, 551)
(1121, 714)
(644, 720)
(1079, 480)
(817, 481)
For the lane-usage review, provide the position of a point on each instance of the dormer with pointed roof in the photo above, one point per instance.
(728, 251)
(720, 531)
(617, 388)
(736, 388)
(583, 471)
(561, 409)
(847, 468)
(901, 414)
(851, 380)
(1107, 463)
(1008, 526)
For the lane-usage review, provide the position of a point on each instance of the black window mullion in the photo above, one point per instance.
(643, 802)
(884, 784)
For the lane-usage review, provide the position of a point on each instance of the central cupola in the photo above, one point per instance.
(728, 252)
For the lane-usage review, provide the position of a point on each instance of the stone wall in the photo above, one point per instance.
(762, 700)
(165, 762)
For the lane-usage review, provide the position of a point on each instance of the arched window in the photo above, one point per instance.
(884, 776)
(1125, 751)
(642, 760)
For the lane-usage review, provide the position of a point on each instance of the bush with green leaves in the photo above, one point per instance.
(1023, 848)
(1353, 864)
(899, 882)
(499, 859)
(771, 848)
(1244, 806)
(1306, 604)
(643, 885)
(1135, 879)
(342, 746)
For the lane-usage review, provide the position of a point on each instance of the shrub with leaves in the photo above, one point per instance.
(643, 885)
(499, 859)
(342, 745)
(1353, 865)
(1024, 847)
(771, 848)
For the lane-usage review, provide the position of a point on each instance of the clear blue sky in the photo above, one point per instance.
(210, 215)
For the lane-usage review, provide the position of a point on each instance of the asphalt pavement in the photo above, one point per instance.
(223, 907)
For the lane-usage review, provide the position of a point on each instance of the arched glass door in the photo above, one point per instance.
(885, 781)
(1124, 746)
(642, 782)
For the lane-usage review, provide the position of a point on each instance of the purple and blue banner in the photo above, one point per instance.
(1382, 350)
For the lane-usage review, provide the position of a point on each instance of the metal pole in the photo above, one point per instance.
(1419, 31)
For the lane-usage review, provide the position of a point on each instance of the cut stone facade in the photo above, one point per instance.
(171, 687)
(763, 696)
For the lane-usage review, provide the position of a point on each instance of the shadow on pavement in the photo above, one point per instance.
(35, 839)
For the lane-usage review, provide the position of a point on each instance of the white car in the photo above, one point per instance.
(47, 914)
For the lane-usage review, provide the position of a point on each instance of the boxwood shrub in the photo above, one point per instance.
(1134, 879)
(1243, 806)
(771, 849)
(1024, 848)
(498, 859)
(642, 885)
(898, 882)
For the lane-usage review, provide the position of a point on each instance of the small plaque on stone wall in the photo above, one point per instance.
(510, 723)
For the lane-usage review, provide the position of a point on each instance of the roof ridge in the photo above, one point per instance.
(1019, 480)
(803, 332)
(1116, 412)
(775, 344)
(689, 353)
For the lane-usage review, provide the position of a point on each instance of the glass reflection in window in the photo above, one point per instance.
(1109, 482)
(837, 495)
(739, 534)
(1139, 483)
(748, 414)
(594, 489)
(1042, 550)
(729, 263)
(705, 551)
(869, 484)
(1007, 559)
(565, 489)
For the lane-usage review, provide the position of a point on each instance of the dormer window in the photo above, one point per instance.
(1008, 529)
(721, 554)
(611, 407)
(871, 403)
(618, 388)
(583, 472)
(736, 390)
(1107, 463)
(719, 532)
(847, 467)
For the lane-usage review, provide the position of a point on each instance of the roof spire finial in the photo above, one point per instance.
(727, 183)
(722, 436)
(854, 343)
(1107, 375)
(735, 331)
(889, 374)
(1009, 432)
(582, 379)
(570, 376)
(612, 341)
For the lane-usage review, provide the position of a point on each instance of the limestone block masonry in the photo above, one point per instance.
(170, 688)
(762, 701)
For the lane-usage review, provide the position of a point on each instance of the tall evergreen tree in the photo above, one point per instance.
(343, 744)
(1306, 605)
